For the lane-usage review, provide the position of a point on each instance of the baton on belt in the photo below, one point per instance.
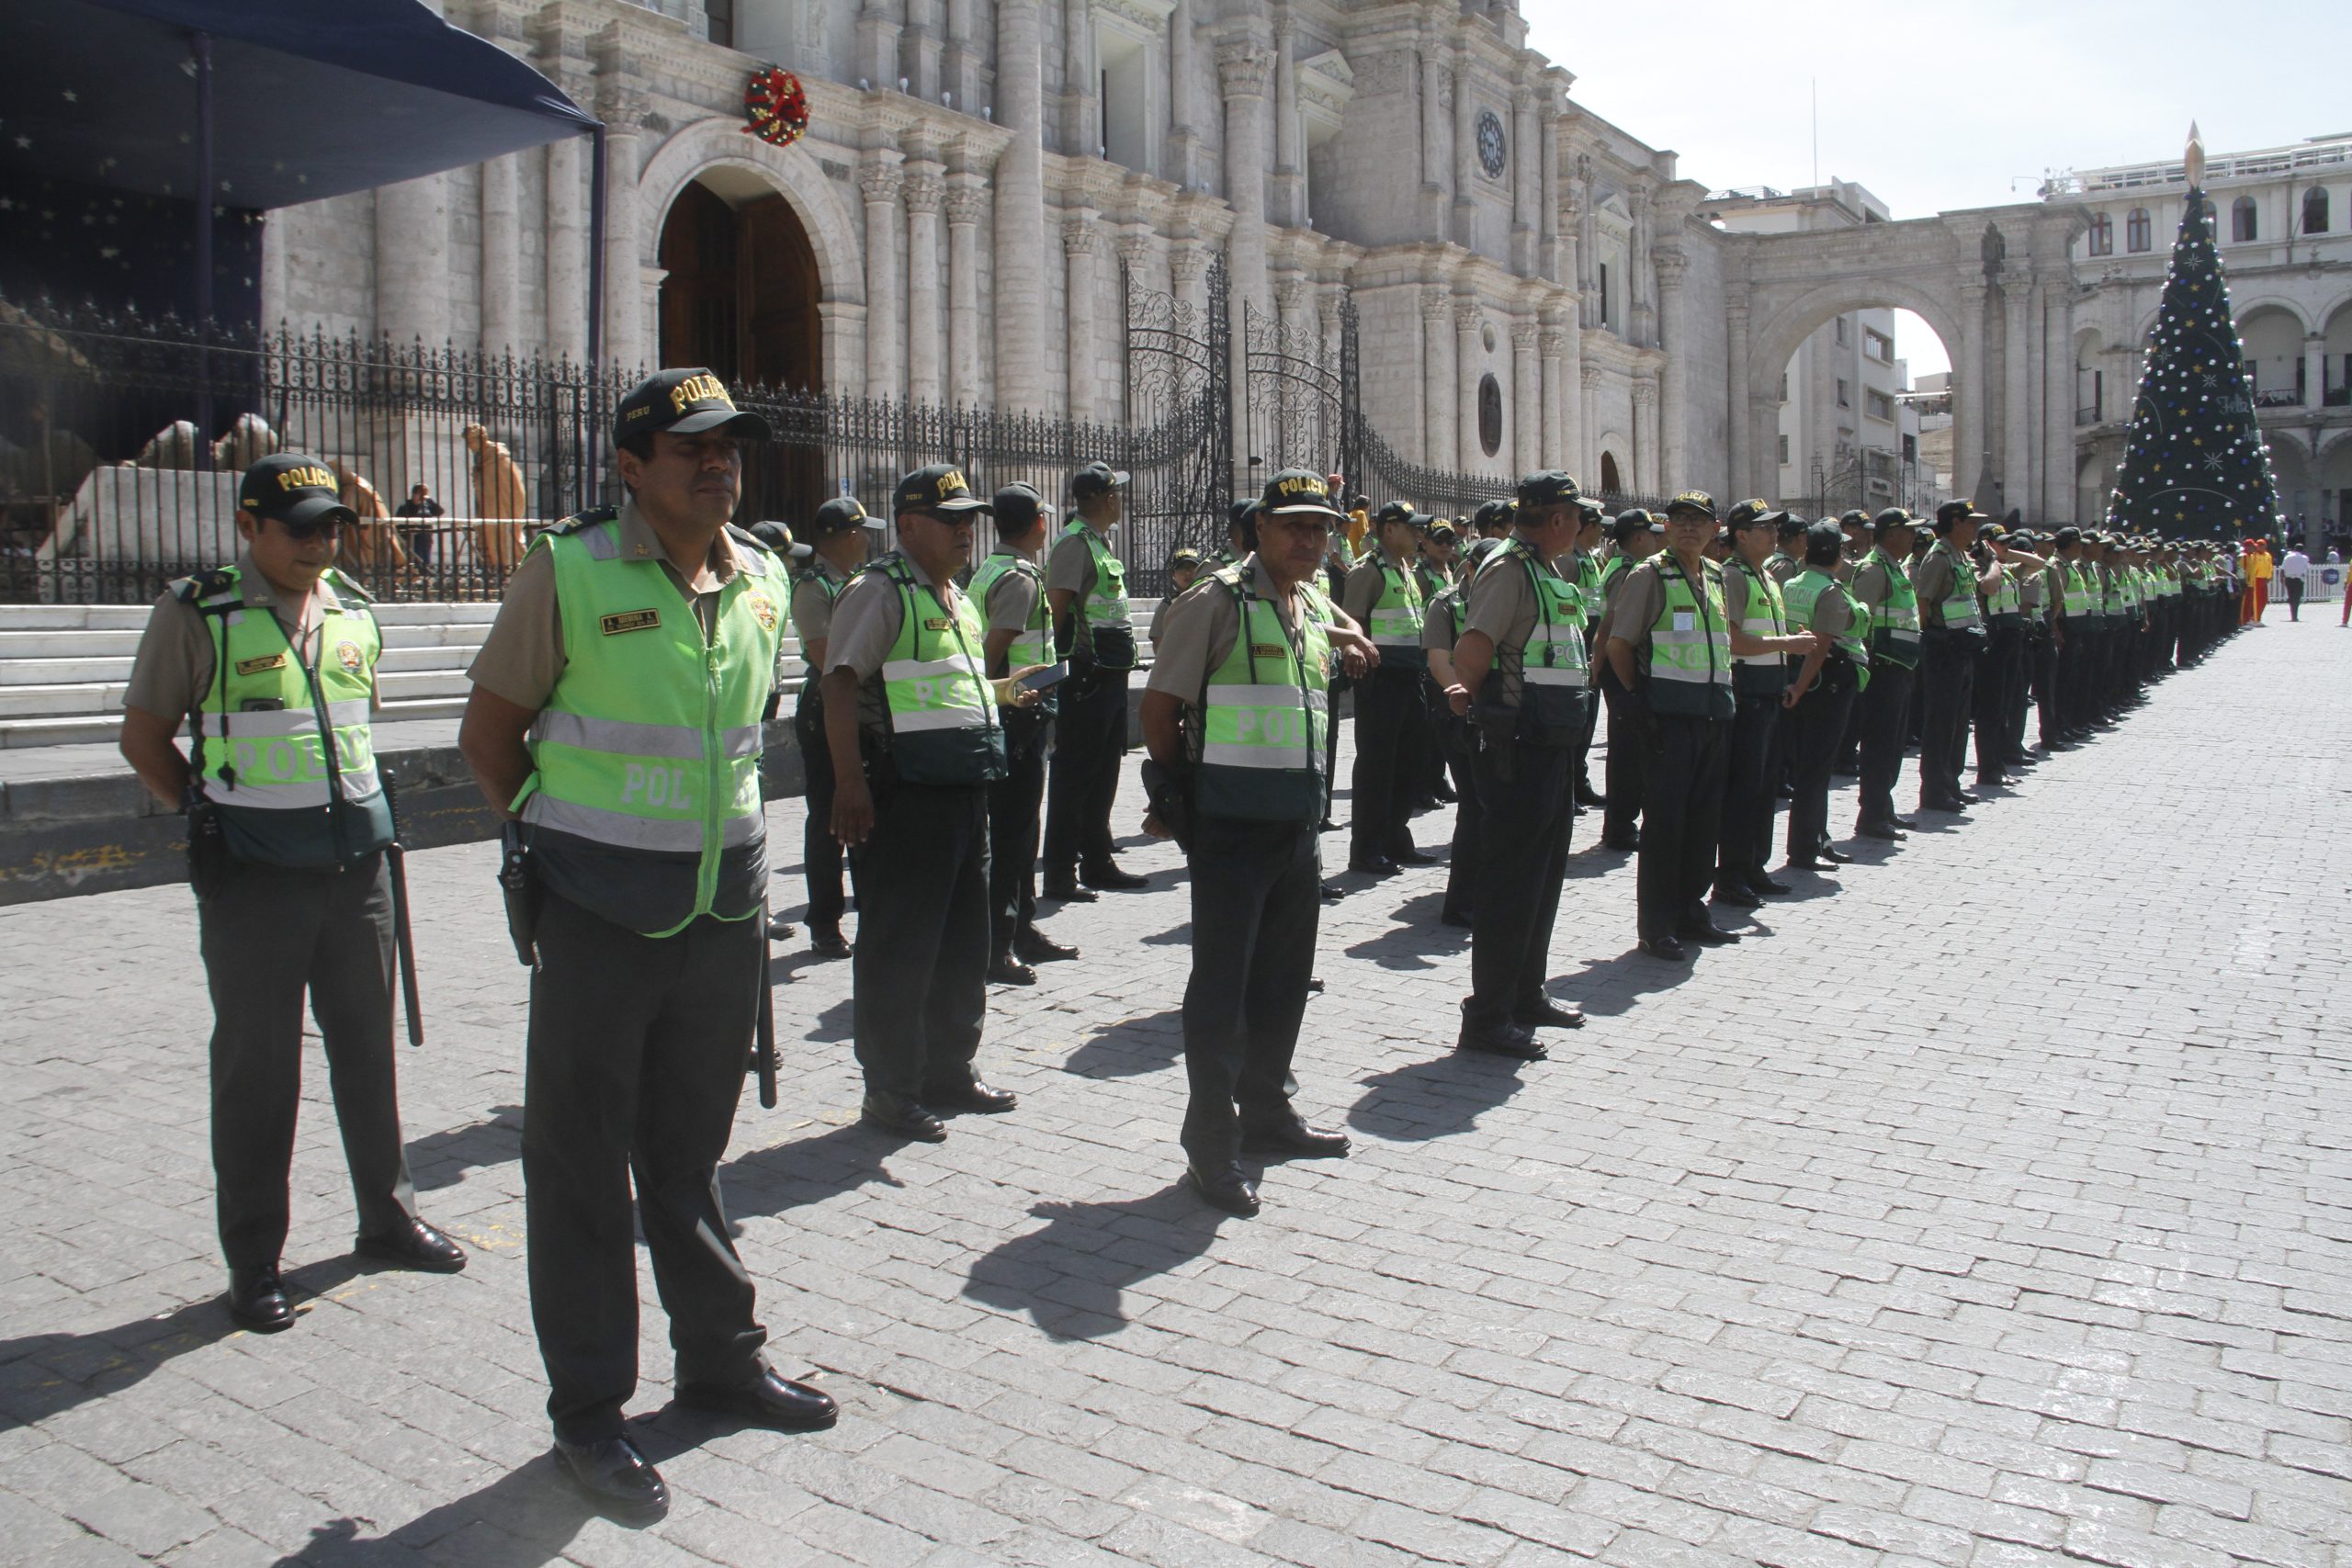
(403, 946)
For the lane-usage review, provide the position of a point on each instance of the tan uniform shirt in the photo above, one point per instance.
(812, 601)
(522, 658)
(1071, 564)
(866, 619)
(173, 670)
(1203, 623)
(1933, 581)
(1503, 605)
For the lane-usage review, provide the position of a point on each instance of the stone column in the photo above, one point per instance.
(961, 64)
(880, 177)
(2057, 487)
(1289, 205)
(1673, 266)
(1018, 296)
(1741, 402)
(625, 303)
(2314, 365)
(1588, 420)
(877, 43)
(1547, 207)
(501, 258)
(966, 199)
(1437, 378)
(1588, 239)
(566, 327)
(919, 47)
(1082, 120)
(1468, 352)
(1970, 407)
(1242, 63)
(1188, 268)
(1077, 252)
(1526, 393)
(2017, 393)
(1646, 478)
(1527, 166)
(1465, 153)
(1641, 307)
(413, 262)
(1435, 164)
(1327, 301)
(925, 191)
(1552, 450)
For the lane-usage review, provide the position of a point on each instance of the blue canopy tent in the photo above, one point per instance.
(248, 105)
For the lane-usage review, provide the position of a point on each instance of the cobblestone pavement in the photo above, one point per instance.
(1986, 1212)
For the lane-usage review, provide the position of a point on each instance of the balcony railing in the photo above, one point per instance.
(2085, 416)
(2283, 398)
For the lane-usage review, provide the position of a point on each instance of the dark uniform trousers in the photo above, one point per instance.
(1997, 660)
(1592, 722)
(1089, 739)
(2041, 687)
(633, 1069)
(1682, 809)
(1012, 828)
(1456, 736)
(2079, 680)
(1390, 712)
(1816, 731)
(1947, 673)
(267, 934)
(922, 965)
(1527, 805)
(1885, 707)
(1751, 790)
(1257, 897)
(821, 852)
(1622, 767)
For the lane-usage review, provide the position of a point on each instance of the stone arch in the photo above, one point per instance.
(1615, 461)
(2242, 310)
(719, 146)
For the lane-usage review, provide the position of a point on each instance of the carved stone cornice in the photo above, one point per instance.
(925, 189)
(1436, 305)
(1243, 65)
(881, 181)
(968, 199)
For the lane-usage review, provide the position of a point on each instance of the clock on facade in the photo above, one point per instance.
(1490, 143)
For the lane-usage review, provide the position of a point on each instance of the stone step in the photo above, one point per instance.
(64, 643)
(79, 729)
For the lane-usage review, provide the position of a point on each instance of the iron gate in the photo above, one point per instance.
(1177, 372)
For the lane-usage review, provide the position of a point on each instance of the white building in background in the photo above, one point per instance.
(2283, 220)
(1848, 436)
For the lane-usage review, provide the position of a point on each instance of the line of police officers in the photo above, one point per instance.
(617, 720)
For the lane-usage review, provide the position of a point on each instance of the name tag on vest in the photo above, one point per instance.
(255, 666)
(937, 624)
(1269, 650)
(631, 621)
(1685, 620)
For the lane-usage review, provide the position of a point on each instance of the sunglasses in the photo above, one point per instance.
(303, 532)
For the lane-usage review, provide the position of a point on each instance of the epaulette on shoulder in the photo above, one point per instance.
(1228, 574)
(743, 536)
(349, 587)
(204, 585)
(588, 519)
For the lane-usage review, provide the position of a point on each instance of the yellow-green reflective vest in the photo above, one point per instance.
(1105, 606)
(2074, 591)
(1264, 712)
(1033, 644)
(1552, 662)
(1588, 579)
(1959, 603)
(644, 801)
(1689, 654)
(1805, 592)
(1895, 625)
(2004, 605)
(1395, 621)
(1762, 613)
(285, 797)
(2118, 594)
(943, 726)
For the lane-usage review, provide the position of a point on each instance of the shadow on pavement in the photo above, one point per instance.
(807, 1170)
(42, 1374)
(1608, 987)
(439, 1159)
(524, 1519)
(834, 1025)
(1431, 1099)
(1071, 1276)
(1131, 1047)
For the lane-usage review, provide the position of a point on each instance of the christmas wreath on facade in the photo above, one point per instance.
(776, 106)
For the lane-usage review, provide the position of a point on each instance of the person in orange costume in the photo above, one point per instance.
(2257, 581)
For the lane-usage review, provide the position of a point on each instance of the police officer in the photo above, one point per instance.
(1237, 535)
(1492, 523)
(2035, 694)
(1853, 542)
(1786, 557)
(839, 540)
(1519, 677)
(1584, 565)
(1951, 630)
(1086, 584)
(1232, 718)
(1384, 595)
(615, 708)
(1763, 638)
(1010, 590)
(272, 662)
(1882, 586)
(2070, 634)
(1821, 692)
(917, 740)
(1442, 621)
(1669, 646)
(1637, 535)
(1440, 547)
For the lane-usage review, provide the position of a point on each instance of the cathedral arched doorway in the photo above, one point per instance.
(740, 288)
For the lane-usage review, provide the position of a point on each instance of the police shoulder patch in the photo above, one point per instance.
(204, 585)
(588, 519)
(631, 621)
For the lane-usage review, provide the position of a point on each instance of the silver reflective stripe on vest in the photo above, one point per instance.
(1533, 671)
(619, 828)
(1288, 700)
(625, 739)
(296, 721)
(973, 715)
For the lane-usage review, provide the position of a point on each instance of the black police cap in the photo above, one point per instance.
(1952, 511)
(841, 515)
(1492, 514)
(1392, 512)
(1297, 491)
(684, 402)
(941, 487)
(293, 488)
(1017, 506)
(1631, 520)
(1697, 501)
(1096, 478)
(1242, 515)
(1857, 518)
(1893, 517)
(1548, 487)
(1756, 514)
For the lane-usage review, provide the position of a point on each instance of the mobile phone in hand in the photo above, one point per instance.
(1051, 675)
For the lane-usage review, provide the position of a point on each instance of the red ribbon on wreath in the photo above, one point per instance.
(776, 106)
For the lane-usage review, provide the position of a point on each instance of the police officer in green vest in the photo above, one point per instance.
(1637, 535)
(1010, 590)
(1444, 618)
(1763, 635)
(1086, 584)
(917, 741)
(2069, 635)
(839, 538)
(1584, 565)
(1951, 630)
(1821, 692)
(272, 663)
(1233, 718)
(1788, 551)
(1383, 595)
(615, 710)
(1491, 520)
(1440, 547)
(1236, 534)
(1882, 586)
(1669, 646)
(2000, 659)
(1520, 677)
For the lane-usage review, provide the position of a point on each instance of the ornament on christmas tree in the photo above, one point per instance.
(776, 106)
(2194, 389)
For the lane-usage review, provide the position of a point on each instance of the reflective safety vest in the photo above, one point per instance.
(2118, 592)
(1689, 653)
(1453, 603)
(1105, 607)
(2004, 605)
(644, 798)
(1552, 662)
(944, 725)
(1395, 620)
(1033, 643)
(1589, 579)
(811, 698)
(283, 749)
(1264, 714)
(1895, 625)
(1804, 594)
(1763, 614)
(2075, 590)
(1959, 603)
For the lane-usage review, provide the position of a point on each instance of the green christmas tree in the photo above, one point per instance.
(2195, 465)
